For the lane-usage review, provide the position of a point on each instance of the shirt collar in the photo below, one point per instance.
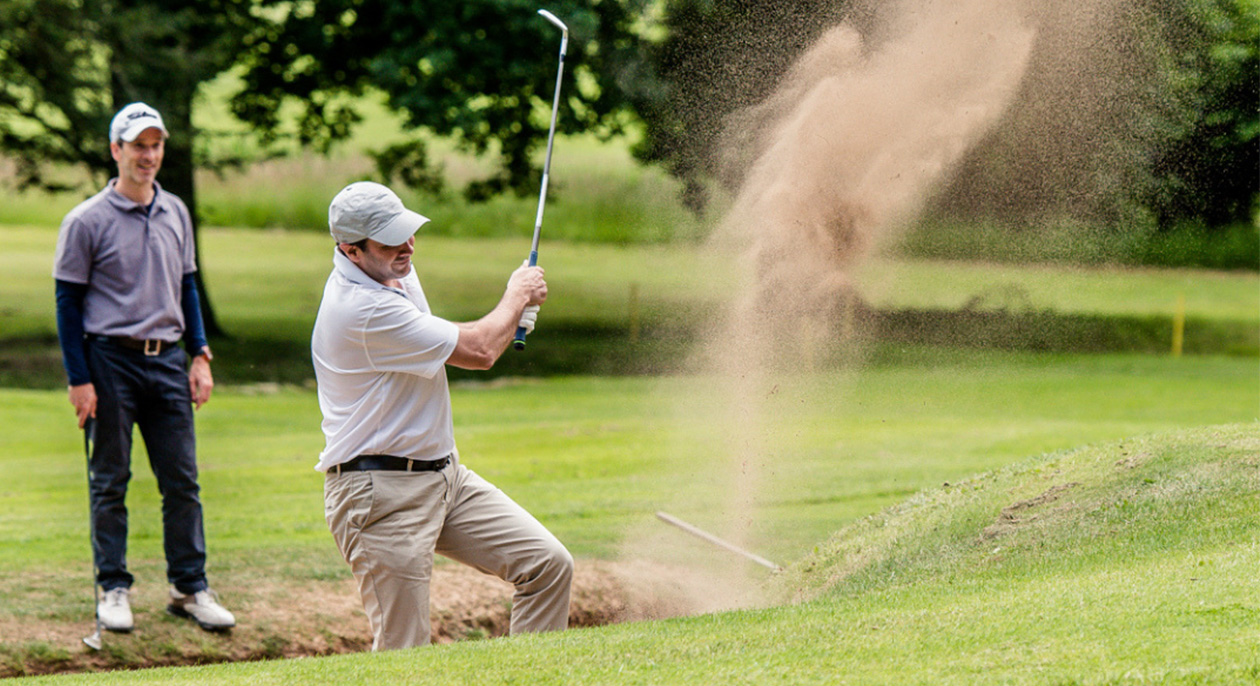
(126, 204)
(351, 272)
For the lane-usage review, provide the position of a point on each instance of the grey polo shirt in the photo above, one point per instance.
(132, 260)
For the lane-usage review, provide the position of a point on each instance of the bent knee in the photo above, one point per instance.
(559, 562)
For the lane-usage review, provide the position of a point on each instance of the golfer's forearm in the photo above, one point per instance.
(482, 342)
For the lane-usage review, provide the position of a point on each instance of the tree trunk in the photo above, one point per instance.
(174, 102)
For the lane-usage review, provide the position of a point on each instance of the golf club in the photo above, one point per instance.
(93, 641)
(699, 533)
(519, 341)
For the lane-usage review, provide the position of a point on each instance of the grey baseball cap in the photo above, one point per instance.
(132, 120)
(369, 210)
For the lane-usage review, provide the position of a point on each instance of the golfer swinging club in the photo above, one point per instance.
(395, 491)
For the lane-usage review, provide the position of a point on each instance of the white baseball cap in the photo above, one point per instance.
(132, 120)
(369, 210)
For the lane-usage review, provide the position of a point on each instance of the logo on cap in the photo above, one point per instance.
(131, 121)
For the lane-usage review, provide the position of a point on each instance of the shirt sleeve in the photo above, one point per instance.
(70, 331)
(194, 327)
(73, 259)
(189, 256)
(400, 338)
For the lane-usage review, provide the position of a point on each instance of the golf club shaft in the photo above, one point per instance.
(700, 533)
(519, 341)
(93, 641)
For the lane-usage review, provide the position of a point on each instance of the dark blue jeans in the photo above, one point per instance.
(133, 389)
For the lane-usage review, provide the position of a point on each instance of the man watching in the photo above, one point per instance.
(126, 295)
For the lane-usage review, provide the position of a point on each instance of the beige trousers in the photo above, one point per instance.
(389, 524)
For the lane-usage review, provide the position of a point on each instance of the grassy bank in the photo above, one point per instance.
(1128, 561)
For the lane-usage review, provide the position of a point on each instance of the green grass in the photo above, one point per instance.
(782, 471)
(592, 455)
(1072, 242)
(598, 193)
(1141, 570)
(266, 287)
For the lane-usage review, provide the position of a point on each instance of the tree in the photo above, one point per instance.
(717, 57)
(1131, 113)
(1146, 119)
(1207, 170)
(67, 65)
(480, 71)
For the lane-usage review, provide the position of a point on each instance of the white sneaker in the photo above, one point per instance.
(202, 607)
(114, 610)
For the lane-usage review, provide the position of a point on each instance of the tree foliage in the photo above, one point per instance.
(1209, 170)
(55, 101)
(1152, 126)
(479, 71)
(1172, 134)
(716, 57)
(1153, 121)
(67, 65)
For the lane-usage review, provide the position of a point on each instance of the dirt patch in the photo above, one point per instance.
(1011, 517)
(307, 619)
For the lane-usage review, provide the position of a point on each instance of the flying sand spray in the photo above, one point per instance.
(839, 157)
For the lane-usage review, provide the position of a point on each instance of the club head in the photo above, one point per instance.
(552, 18)
(93, 641)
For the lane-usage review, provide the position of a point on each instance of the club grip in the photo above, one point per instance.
(518, 343)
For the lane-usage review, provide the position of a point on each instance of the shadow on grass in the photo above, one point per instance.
(593, 349)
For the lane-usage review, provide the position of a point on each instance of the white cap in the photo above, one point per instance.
(132, 120)
(369, 210)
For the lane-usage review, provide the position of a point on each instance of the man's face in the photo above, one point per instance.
(383, 263)
(139, 160)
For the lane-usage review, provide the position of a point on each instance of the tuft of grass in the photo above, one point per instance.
(1071, 513)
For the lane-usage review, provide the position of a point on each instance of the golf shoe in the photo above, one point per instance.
(114, 610)
(203, 608)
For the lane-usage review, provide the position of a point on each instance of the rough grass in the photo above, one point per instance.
(1128, 562)
(593, 458)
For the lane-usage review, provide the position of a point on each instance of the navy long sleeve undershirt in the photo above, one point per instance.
(194, 328)
(70, 331)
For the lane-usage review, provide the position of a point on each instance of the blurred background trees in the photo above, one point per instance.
(1167, 140)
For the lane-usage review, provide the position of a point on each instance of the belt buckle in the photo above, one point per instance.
(154, 349)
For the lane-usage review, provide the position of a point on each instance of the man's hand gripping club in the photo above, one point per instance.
(483, 341)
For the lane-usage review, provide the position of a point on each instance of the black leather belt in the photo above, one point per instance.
(148, 346)
(389, 463)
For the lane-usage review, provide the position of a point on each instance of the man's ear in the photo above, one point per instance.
(349, 250)
(115, 150)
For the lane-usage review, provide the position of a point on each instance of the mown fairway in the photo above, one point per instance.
(267, 284)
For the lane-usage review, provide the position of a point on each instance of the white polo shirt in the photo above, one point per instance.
(380, 362)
